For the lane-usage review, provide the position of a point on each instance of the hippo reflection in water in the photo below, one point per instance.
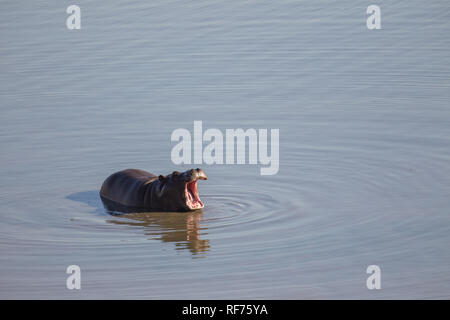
(181, 228)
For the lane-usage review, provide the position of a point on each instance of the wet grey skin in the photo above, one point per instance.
(137, 190)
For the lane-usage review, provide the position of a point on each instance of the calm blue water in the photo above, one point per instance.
(364, 121)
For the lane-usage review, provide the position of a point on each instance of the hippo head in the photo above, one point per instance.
(179, 191)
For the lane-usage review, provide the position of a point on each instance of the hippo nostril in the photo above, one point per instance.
(195, 174)
(201, 175)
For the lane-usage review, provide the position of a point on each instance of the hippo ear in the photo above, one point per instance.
(161, 177)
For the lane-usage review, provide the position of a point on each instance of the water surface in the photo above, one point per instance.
(364, 125)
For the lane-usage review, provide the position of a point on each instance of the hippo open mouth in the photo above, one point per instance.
(192, 198)
(191, 190)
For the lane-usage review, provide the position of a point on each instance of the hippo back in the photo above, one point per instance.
(127, 187)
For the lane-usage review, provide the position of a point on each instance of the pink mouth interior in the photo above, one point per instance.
(192, 199)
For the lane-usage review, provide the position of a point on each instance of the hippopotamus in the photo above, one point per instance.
(136, 189)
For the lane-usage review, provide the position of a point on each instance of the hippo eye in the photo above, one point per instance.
(161, 177)
(176, 173)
